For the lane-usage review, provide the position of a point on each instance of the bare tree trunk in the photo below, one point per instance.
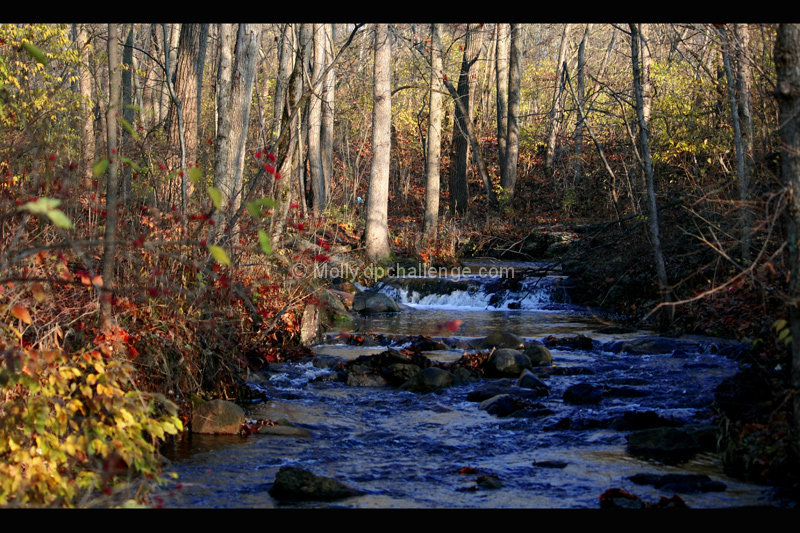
(509, 173)
(180, 133)
(743, 91)
(87, 113)
(285, 64)
(787, 63)
(741, 168)
(644, 144)
(315, 123)
(557, 111)
(459, 189)
(376, 234)
(127, 111)
(186, 75)
(501, 62)
(112, 183)
(433, 145)
(581, 94)
(328, 107)
(222, 142)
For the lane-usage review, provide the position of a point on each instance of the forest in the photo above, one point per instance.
(183, 206)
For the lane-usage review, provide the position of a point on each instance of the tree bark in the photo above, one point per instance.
(581, 94)
(186, 90)
(501, 64)
(87, 113)
(557, 110)
(112, 182)
(222, 142)
(644, 144)
(376, 234)
(744, 99)
(328, 107)
(285, 64)
(316, 175)
(127, 110)
(787, 92)
(433, 145)
(509, 174)
(459, 188)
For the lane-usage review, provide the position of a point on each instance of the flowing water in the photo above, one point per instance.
(408, 450)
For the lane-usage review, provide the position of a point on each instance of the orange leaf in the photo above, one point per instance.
(21, 313)
(97, 280)
(38, 292)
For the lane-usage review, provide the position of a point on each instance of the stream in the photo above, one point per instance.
(407, 449)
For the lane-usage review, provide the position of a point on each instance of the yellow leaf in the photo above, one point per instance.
(37, 289)
(216, 196)
(219, 254)
(21, 313)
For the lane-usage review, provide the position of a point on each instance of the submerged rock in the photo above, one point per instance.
(296, 484)
(583, 393)
(672, 445)
(683, 483)
(538, 355)
(217, 417)
(501, 339)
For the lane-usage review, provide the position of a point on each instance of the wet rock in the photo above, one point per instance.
(426, 344)
(564, 371)
(463, 375)
(428, 379)
(368, 302)
(625, 392)
(620, 499)
(331, 362)
(284, 429)
(527, 380)
(672, 445)
(361, 376)
(501, 405)
(506, 362)
(550, 464)
(636, 420)
(583, 394)
(502, 339)
(398, 373)
(504, 386)
(489, 482)
(682, 483)
(296, 484)
(217, 417)
(576, 342)
(539, 355)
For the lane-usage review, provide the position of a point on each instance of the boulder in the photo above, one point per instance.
(368, 302)
(527, 380)
(296, 484)
(502, 339)
(311, 330)
(284, 429)
(506, 362)
(672, 445)
(428, 379)
(217, 417)
(583, 393)
(398, 373)
(538, 355)
(501, 405)
(682, 483)
(504, 386)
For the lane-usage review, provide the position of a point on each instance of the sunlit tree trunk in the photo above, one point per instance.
(127, 110)
(285, 64)
(787, 63)
(112, 182)
(509, 174)
(222, 142)
(376, 234)
(501, 64)
(642, 105)
(315, 122)
(87, 113)
(581, 94)
(328, 107)
(557, 110)
(433, 145)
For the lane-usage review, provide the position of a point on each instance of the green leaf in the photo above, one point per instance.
(41, 206)
(133, 165)
(219, 254)
(195, 174)
(133, 108)
(264, 240)
(784, 332)
(254, 209)
(59, 219)
(100, 167)
(35, 52)
(128, 127)
(216, 196)
(779, 324)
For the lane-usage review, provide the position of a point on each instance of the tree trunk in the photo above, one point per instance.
(127, 111)
(509, 174)
(459, 189)
(581, 94)
(644, 144)
(285, 64)
(787, 63)
(112, 183)
(186, 86)
(329, 99)
(376, 234)
(741, 165)
(743, 90)
(222, 142)
(315, 122)
(433, 145)
(501, 64)
(87, 112)
(557, 110)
